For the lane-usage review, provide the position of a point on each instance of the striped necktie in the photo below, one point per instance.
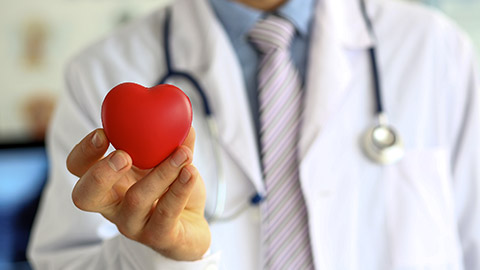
(285, 222)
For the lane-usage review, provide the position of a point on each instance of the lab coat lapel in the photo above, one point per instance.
(202, 48)
(338, 29)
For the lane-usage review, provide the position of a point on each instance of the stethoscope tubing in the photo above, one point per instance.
(220, 201)
(375, 153)
(171, 72)
(373, 62)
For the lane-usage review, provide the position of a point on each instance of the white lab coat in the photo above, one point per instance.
(421, 213)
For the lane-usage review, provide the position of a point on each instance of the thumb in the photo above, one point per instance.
(88, 151)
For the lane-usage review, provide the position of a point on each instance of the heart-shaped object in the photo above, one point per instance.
(147, 123)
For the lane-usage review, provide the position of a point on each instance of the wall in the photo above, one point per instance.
(466, 13)
(36, 39)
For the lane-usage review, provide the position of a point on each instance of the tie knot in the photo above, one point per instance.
(272, 33)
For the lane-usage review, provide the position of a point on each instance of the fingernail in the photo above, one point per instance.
(185, 176)
(179, 158)
(117, 162)
(97, 140)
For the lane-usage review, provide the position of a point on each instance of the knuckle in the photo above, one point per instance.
(127, 225)
(188, 152)
(97, 176)
(164, 211)
(78, 201)
(194, 171)
(126, 230)
(132, 200)
(162, 173)
(177, 194)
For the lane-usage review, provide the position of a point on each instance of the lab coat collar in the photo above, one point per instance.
(339, 29)
(203, 49)
(346, 20)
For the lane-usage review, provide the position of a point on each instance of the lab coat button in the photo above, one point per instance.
(211, 267)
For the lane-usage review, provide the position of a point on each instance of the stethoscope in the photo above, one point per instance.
(380, 143)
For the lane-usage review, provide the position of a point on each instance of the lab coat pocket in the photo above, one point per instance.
(420, 214)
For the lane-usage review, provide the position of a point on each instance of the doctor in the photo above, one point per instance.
(421, 212)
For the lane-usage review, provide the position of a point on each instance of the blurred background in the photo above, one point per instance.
(36, 39)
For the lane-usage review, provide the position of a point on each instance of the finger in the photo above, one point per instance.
(171, 205)
(93, 191)
(190, 140)
(89, 150)
(137, 203)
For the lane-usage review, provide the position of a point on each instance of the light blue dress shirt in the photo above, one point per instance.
(238, 19)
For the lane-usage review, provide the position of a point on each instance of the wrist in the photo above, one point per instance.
(144, 257)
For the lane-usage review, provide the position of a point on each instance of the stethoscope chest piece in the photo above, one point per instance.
(382, 144)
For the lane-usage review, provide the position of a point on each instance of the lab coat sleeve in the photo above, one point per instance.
(465, 115)
(65, 237)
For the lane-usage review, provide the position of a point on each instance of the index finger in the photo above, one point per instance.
(190, 140)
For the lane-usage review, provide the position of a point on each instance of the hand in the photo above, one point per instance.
(162, 207)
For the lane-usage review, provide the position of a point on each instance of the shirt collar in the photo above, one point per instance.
(238, 19)
(299, 12)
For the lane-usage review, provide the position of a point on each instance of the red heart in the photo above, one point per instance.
(147, 123)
